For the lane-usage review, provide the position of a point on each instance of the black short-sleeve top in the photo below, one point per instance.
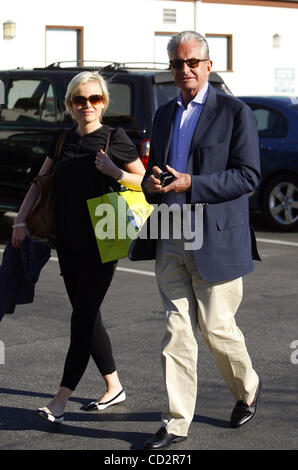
(77, 179)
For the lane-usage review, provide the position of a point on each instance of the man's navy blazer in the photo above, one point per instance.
(224, 164)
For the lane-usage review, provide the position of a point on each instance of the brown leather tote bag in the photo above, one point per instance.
(41, 217)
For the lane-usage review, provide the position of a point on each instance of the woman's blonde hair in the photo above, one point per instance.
(80, 79)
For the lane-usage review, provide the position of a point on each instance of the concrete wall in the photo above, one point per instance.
(256, 63)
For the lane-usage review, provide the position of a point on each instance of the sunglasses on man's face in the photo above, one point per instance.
(191, 63)
(93, 99)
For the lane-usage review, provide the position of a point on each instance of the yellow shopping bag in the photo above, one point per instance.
(117, 219)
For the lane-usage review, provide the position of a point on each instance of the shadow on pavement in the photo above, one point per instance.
(21, 419)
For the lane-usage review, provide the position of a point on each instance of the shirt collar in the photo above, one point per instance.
(200, 97)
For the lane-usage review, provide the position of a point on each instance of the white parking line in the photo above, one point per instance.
(136, 271)
(276, 242)
(150, 273)
(128, 270)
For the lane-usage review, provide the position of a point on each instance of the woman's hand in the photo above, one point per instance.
(105, 165)
(132, 175)
(18, 235)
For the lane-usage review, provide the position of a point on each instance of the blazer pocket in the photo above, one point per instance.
(234, 219)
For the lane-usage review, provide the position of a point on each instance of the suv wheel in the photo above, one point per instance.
(280, 202)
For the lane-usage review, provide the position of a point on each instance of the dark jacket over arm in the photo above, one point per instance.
(19, 273)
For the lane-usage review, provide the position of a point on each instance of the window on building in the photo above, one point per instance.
(64, 43)
(220, 47)
(28, 101)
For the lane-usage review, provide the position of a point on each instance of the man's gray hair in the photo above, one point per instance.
(184, 36)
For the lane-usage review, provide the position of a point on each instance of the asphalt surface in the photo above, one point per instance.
(35, 340)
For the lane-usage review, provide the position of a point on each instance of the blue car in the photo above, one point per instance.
(277, 195)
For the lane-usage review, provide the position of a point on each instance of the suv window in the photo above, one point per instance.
(270, 123)
(28, 101)
(119, 111)
(166, 92)
(120, 100)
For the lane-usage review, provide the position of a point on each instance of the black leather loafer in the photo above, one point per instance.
(242, 412)
(162, 439)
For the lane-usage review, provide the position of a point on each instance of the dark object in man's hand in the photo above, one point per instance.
(166, 178)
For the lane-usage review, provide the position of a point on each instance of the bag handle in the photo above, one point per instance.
(59, 144)
(108, 139)
(113, 183)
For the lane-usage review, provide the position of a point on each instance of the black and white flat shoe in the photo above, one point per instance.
(46, 414)
(95, 405)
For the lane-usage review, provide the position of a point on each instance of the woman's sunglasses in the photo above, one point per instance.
(93, 100)
(191, 63)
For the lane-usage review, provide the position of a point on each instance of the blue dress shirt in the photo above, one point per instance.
(185, 123)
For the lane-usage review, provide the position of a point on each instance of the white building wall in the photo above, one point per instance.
(255, 60)
(123, 30)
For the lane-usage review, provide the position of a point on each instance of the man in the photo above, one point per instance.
(208, 141)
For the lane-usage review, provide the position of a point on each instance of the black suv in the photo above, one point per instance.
(33, 111)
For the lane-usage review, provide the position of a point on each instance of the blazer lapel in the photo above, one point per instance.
(166, 131)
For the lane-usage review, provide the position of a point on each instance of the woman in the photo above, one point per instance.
(84, 171)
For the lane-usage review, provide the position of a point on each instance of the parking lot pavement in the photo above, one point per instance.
(34, 341)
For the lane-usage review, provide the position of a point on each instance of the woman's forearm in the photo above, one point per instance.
(132, 175)
(131, 180)
(28, 202)
(32, 194)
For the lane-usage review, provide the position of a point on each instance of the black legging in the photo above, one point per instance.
(86, 286)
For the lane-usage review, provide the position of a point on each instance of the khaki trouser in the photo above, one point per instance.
(189, 302)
